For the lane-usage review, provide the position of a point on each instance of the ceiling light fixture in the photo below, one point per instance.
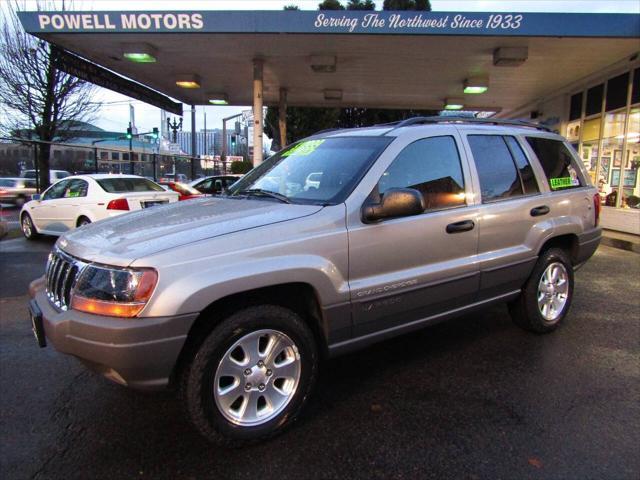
(188, 81)
(476, 85)
(323, 63)
(333, 94)
(510, 56)
(218, 98)
(453, 104)
(139, 52)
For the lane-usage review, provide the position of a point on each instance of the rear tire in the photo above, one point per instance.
(28, 228)
(82, 221)
(546, 297)
(251, 376)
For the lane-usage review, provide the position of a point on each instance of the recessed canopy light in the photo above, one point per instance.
(139, 52)
(333, 94)
(453, 104)
(218, 98)
(323, 63)
(476, 85)
(510, 56)
(188, 81)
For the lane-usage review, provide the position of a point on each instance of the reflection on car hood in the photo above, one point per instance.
(123, 239)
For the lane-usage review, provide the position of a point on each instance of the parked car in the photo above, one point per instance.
(16, 191)
(79, 200)
(214, 185)
(54, 175)
(174, 177)
(234, 300)
(185, 191)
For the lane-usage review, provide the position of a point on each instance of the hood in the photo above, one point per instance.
(125, 238)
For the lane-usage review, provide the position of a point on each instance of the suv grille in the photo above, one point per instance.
(62, 271)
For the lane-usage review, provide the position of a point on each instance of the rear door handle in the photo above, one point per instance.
(537, 211)
(458, 227)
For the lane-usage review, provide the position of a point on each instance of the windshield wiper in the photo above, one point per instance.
(265, 193)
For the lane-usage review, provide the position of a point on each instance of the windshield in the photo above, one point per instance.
(129, 184)
(323, 171)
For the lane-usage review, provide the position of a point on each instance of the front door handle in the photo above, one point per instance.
(537, 211)
(458, 227)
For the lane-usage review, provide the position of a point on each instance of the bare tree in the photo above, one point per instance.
(36, 97)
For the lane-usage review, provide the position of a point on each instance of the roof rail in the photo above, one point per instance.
(485, 121)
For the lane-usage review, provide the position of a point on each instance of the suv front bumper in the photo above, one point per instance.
(137, 352)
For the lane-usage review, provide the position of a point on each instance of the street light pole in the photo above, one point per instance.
(223, 155)
(131, 165)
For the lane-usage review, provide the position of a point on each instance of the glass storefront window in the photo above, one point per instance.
(594, 100)
(590, 142)
(631, 181)
(611, 159)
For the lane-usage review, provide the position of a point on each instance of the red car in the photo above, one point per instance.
(186, 192)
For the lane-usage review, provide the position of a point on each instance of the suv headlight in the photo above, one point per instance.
(113, 291)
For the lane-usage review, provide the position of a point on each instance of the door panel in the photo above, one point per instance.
(410, 268)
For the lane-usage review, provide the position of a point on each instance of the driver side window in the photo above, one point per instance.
(431, 166)
(56, 190)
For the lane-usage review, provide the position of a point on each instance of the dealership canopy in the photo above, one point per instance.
(421, 60)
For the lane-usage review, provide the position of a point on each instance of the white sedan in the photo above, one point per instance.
(82, 199)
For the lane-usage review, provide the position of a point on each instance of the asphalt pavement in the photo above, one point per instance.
(472, 398)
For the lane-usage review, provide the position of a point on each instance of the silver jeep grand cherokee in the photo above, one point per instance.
(343, 239)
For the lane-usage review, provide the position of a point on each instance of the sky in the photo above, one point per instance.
(114, 115)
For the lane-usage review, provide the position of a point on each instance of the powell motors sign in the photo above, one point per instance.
(338, 22)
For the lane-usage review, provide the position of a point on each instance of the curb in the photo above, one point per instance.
(621, 244)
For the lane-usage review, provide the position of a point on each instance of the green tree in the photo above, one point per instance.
(291, 7)
(330, 5)
(407, 5)
(361, 5)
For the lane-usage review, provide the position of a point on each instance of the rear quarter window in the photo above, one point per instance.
(123, 185)
(557, 162)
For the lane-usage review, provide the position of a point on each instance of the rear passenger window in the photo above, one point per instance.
(76, 188)
(557, 163)
(527, 177)
(431, 166)
(499, 178)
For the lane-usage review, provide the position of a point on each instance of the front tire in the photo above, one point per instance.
(546, 297)
(28, 228)
(251, 376)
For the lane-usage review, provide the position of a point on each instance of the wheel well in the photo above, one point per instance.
(299, 297)
(80, 219)
(568, 243)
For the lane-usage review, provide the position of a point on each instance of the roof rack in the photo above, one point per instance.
(454, 119)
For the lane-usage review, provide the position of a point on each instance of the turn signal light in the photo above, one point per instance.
(118, 204)
(102, 307)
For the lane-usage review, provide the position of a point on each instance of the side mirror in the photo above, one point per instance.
(396, 202)
(36, 196)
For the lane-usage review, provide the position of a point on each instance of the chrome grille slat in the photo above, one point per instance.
(56, 279)
(61, 274)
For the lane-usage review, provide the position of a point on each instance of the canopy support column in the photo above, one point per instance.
(282, 118)
(258, 121)
(193, 142)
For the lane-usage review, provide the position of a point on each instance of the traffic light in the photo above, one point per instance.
(129, 133)
(154, 133)
(233, 141)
